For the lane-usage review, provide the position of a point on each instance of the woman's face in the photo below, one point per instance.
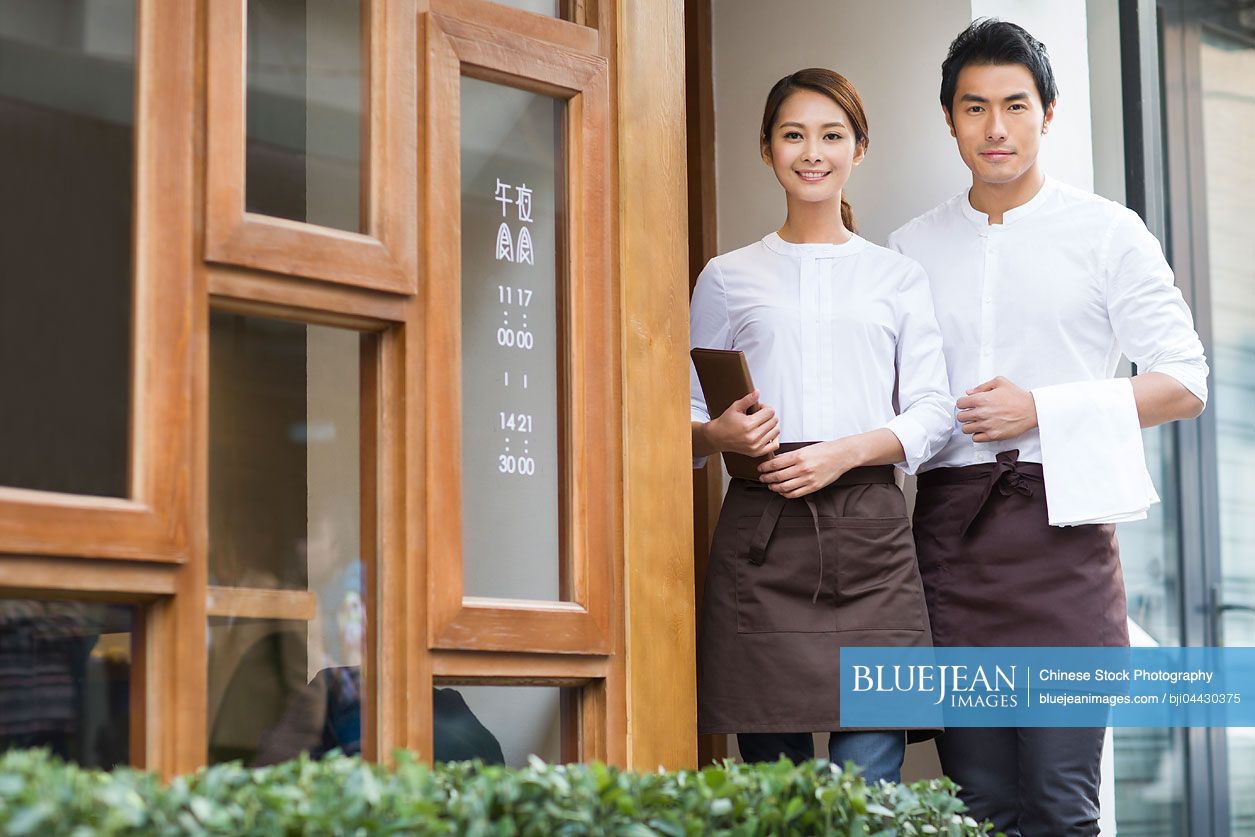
(812, 147)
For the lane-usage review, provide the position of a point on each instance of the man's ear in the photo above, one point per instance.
(945, 112)
(1050, 115)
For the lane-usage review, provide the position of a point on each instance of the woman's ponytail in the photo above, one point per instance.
(847, 215)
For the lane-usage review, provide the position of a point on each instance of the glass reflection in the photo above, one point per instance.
(290, 600)
(505, 724)
(1150, 763)
(67, 78)
(65, 679)
(512, 227)
(304, 124)
(1227, 72)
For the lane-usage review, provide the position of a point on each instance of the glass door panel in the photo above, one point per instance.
(1227, 75)
(289, 593)
(513, 255)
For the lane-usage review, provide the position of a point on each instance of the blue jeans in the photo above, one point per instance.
(878, 753)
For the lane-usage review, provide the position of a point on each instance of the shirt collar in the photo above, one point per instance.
(776, 244)
(980, 219)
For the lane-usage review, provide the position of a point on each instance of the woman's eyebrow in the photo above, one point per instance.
(800, 125)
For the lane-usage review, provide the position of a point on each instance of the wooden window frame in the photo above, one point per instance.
(507, 54)
(385, 574)
(151, 523)
(385, 257)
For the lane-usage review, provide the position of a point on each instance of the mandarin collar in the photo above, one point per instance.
(776, 244)
(981, 220)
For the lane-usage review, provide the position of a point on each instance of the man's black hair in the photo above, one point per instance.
(992, 41)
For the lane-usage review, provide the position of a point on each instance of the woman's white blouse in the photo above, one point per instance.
(829, 332)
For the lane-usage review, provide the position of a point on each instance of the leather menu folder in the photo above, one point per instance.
(725, 377)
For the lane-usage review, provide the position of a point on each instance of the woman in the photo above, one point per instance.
(818, 553)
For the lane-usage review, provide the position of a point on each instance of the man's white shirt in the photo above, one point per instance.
(1053, 295)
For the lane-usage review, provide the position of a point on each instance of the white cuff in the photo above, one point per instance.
(914, 439)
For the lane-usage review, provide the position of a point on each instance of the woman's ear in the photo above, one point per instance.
(860, 151)
(764, 151)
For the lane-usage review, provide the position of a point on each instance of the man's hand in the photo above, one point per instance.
(740, 431)
(997, 410)
(805, 470)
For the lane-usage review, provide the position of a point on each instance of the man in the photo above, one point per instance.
(1039, 288)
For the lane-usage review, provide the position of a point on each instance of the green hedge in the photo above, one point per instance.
(41, 795)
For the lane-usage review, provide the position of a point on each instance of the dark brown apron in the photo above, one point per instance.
(996, 573)
(791, 582)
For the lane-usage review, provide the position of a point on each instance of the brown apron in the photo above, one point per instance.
(789, 583)
(996, 573)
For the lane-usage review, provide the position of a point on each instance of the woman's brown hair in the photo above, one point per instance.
(836, 87)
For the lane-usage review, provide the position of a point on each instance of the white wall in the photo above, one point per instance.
(892, 52)
(911, 164)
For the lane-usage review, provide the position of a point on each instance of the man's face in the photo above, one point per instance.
(998, 120)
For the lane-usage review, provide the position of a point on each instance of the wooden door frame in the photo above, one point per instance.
(707, 496)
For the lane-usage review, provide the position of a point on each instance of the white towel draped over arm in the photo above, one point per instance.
(1092, 456)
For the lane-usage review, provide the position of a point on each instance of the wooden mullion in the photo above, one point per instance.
(660, 641)
(368, 548)
(498, 665)
(85, 579)
(607, 716)
(252, 292)
(591, 717)
(138, 689)
(703, 246)
(261, 603)
(561, 31)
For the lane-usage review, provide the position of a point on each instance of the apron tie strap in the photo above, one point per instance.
(775, 503)
(1007, 478)
(766, 526)
(819, 546)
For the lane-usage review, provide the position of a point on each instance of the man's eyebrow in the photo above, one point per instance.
(1014, 97)
(825, 125)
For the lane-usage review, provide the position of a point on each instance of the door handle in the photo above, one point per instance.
(1219, 607)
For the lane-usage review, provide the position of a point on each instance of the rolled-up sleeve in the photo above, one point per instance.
(926, 408)
(709, 328)
(1151, 321)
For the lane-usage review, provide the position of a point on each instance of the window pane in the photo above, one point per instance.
(512, 330)
(505, 724)
(289, 595)
(304, 111)
(65, 679)
(552, 8)
(67, 74)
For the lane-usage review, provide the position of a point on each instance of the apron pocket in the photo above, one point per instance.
(878, 583)
(775, 596)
